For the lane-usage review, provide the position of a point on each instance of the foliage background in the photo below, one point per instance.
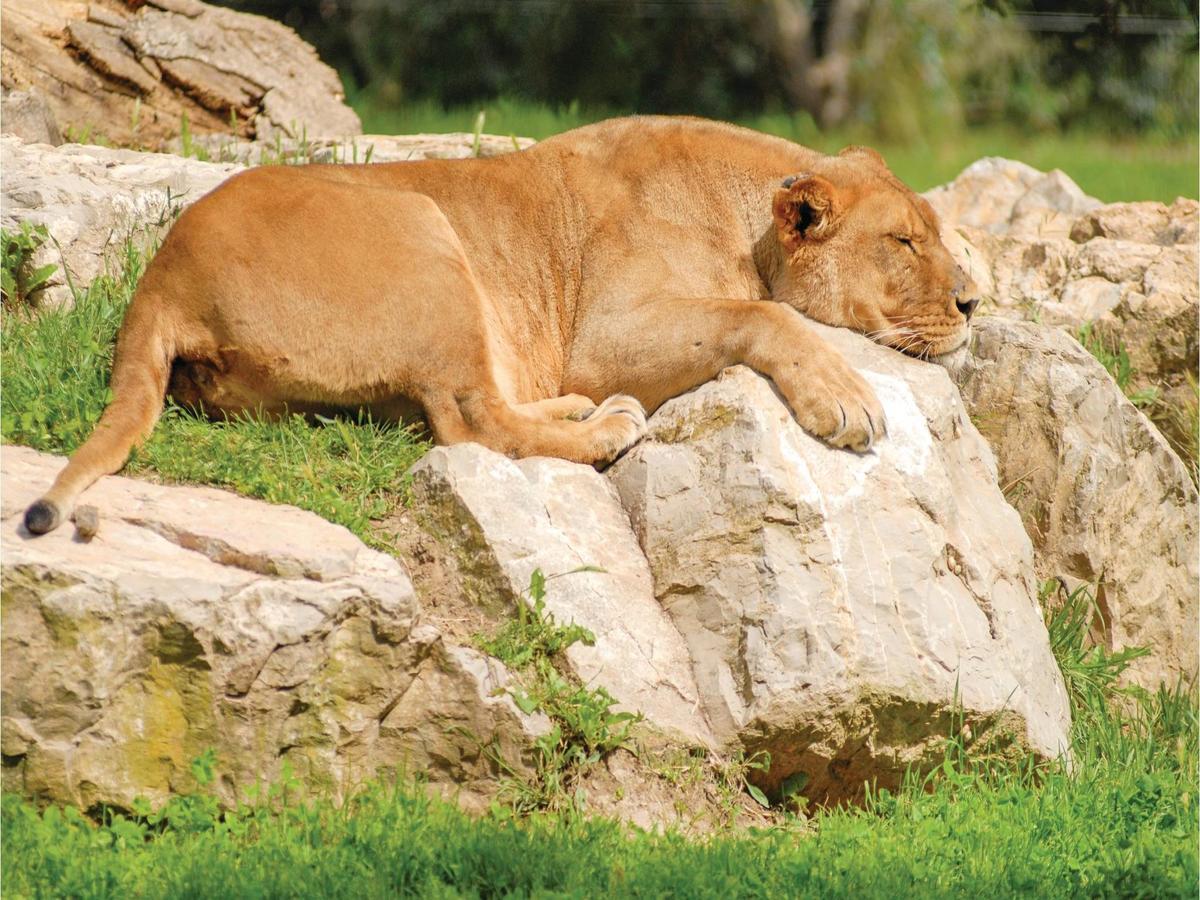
(895, 68)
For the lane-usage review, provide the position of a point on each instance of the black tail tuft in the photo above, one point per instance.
(41, 517)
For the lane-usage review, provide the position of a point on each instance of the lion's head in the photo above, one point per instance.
(861, 250)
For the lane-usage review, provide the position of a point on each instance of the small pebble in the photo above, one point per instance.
(87, 522)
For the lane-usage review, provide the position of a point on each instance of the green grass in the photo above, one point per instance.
(1122, 822)
(584, 728)
(56, 367)
(1106, 167)
(18, 279)
(1112, 354)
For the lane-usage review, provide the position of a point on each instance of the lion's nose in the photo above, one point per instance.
(967, 307)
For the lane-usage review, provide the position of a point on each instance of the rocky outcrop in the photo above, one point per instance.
(1043, 251)
(1001, 196)
(1102, 495)
(838, 606)
(196, 619)
(502, 519)
(129, 73)
(92, 199)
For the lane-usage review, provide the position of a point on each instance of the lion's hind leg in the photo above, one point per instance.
(570, 406)
(516, 431)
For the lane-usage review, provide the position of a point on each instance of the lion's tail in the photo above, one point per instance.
(145, 351)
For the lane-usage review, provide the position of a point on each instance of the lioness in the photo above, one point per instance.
(629, 260)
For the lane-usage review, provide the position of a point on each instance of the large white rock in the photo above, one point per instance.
(197, 619)
(1105, 499)
(838, 607)
(503, 519)
(1002, 196)
(1040, 250)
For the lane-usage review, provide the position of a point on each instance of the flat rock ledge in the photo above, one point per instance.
(197, 619)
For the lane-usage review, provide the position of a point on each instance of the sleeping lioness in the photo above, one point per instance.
(538, 303)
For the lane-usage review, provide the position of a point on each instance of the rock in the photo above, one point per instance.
(130, 78)
(1002, 196)
(984, 194)
(838, 607)
(502, 519)
(196, 619)
(27, 115)
(92, 199)
(1127, 269)
(1145, 223)
(1049, 207)
(353, 149)
(1102, 495)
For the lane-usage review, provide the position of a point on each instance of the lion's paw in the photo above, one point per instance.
(619, 422)
(838, 405)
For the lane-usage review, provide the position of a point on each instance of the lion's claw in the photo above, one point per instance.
(837, 404)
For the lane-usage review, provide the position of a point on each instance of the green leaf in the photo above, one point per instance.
(537, 585)
(759, 797)
(525, 703)
(39, 277)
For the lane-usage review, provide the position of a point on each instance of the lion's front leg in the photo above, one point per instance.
(661, 348)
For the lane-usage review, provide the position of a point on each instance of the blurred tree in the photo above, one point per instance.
(896, 66)
(1129, 64)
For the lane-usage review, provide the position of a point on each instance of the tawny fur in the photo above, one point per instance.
(630, 260)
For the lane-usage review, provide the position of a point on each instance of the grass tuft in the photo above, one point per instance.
(584, 728)
(19, 280)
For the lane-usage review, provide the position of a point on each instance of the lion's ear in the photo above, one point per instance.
(805, 208)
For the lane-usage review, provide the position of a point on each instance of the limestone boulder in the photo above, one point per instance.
(196, 619)
(839, 608)
(1104, 498)
(131, 73)
(1002, 196)
(1129, 271)
(1138, 294)
(502, 519)
(1143, 223)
